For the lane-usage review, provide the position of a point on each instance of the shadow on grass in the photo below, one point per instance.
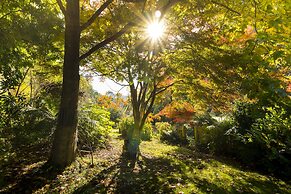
(150, 175)
(27, 172)
(34, 179)
(242, 179)
(180, 170)
(175, 171)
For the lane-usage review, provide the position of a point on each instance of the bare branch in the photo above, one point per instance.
(96, 14)
(62, 8)
(123, 85)
(226, 7)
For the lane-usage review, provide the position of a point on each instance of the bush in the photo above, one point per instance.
(126, 126)
(263, 139)
(213, 139)
(176, 135)
(147, 132)
(36, 125)
(245, 115)
(162, 127)
(273, 135)
(94, 127)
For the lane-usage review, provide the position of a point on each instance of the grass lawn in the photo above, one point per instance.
(162, 169)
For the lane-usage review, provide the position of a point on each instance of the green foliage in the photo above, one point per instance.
(115, 114)
(9, 110)
(94, 127)
(163, 127)
(126, 126)
(171, 137)
(147, 132)
(212, 138)
(261, 137)
(272, 134)
(36, 125)
(172, 134)
(23, 125)
(246, 114)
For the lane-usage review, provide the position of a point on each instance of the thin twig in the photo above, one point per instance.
(226, 7)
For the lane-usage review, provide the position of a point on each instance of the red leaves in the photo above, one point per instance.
(179, 112)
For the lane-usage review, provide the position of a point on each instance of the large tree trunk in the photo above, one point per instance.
(132, 142)
(65, 137)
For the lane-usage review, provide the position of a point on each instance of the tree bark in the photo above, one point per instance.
(132, 142)
(65, 138)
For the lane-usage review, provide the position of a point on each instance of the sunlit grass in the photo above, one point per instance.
(163, 169)
(197, 173)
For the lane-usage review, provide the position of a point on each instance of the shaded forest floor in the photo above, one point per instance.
(162, 169)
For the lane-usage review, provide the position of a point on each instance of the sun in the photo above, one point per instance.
(156, 28)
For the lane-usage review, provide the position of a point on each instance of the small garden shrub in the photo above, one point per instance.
(162, 127)
(263, 140)
(94, 127)
(174, 134)
(127, 124)
(272, 134)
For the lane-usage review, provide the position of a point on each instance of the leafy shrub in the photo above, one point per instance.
(147, 132)
(213, 138)
(126, 126)
(10, 107)
(171, 137)
(245, 115)
(273, 135)
(162, 127)
(263, 139)
(36, 125)
(94, 127)
(22, 123)
(176, 135)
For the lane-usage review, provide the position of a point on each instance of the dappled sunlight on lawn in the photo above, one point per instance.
(161, 168)
(192, 172)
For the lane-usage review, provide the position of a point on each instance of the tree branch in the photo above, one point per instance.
(106, 41)
(226, 7)
(165, 8)
(13, 11)
(164, 88)
(151, 99)
(141, 97)
(62, 8)
(95, 15)
(122, 31)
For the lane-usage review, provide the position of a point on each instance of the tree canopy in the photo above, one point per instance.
(210, 76)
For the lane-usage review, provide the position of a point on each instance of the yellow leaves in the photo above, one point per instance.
(168, 81)
(249, 34)
(271, 31)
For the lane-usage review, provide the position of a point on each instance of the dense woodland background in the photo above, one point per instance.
(215, 86)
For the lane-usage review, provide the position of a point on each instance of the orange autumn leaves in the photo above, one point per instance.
(180, 112)
(249, 34)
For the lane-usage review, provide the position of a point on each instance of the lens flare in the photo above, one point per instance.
(155, 30)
